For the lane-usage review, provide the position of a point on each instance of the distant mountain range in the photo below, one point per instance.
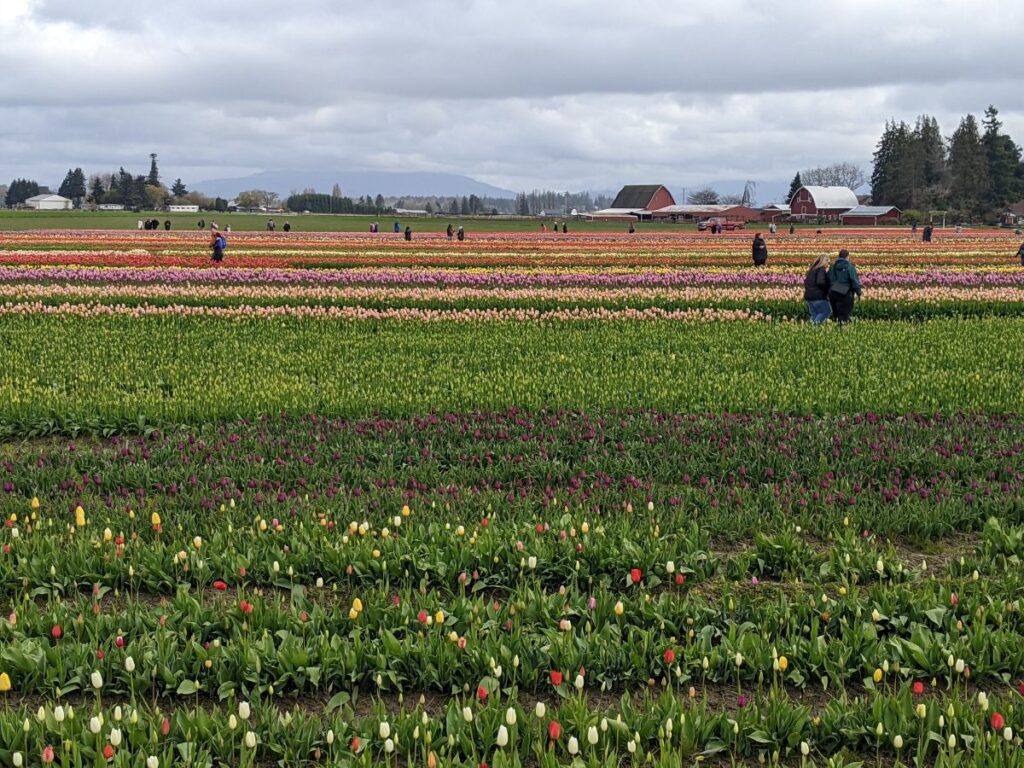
(354, 184)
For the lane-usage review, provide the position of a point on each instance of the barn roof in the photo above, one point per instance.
(41, 198)
(831, 197)
(871, 210)
(637, 195)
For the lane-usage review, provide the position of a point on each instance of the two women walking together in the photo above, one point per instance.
(829, 290)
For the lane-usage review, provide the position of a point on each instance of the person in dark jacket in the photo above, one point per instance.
(1020, 252)
(565, 228)
(450, 232)
(759, 250)
(816, 287)
(792, 229)
(843, 285)
(167, 225)
(408, 233)
(461, 234)
(926, 234)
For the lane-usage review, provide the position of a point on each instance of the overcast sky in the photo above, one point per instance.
(564, 94)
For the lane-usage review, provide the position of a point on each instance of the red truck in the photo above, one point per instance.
(725, 224)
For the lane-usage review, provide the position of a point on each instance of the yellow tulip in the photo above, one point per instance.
(353, 614)
(79, 517)
(878, 675)
(406, 511)
(35, 502)
(357, 605)
(155, 519)
(5, 682)
(439, 617)
(619, 608)
(783, 663)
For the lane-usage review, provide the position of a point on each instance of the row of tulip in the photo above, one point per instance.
(118, 369)
(495, 727)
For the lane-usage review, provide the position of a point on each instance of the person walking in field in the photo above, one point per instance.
(759, 248)
(843, 285)
(926, 234)
(217, 244)
(461, 234)
(816, 291)
(450, 231)
(565, 228)
(408, 234)
(792, 229)
(1020, 252)
(632, 229)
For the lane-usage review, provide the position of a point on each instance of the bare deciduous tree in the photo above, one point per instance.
(837, 175)
(704, 196)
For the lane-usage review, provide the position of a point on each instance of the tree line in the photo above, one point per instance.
(974, 173)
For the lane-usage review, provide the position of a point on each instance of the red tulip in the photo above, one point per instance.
(680, 579)
(636, 575)
(165, 726)
(485, 522)
(108, 751)
(99, 654)
(422, 617)
(669, 656)
(355, 744)
(241, 572)
(220, 586)
(119, 642)
(554, 730)
(997, 721)
(481, 693)
(1020, 689)
(246, 607)
(556, 678)
(918, 688)
(953, 599)
(539, 528)
(48, 754)
(56, 631)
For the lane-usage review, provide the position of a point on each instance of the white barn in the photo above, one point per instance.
(49, 203)
(183, 208)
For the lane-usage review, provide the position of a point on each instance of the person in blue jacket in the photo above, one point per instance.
(843, 285)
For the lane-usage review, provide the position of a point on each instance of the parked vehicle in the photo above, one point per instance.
(725, 224)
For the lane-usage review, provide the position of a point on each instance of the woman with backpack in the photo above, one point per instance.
(816, 291)
(760, 251)
(843, 285)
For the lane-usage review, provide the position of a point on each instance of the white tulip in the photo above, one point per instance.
(739, 659)
(118, 713)
(467, 714)
(232, 721)
(502, 739)
(96, 679)
(152, 762)
(670, 567)
(129, 665)
(951, 741)
(58, 713)
(510, 716)
(579, 682)
(250, 740)
(574, 746)
(243, 710)
(960, 666)
(320, 582)
(389, 746)
(276, 566)
(330, 736)
(897, 741)
(17, 760)
(384, 730)
(539, 710)
(591, 735)
(532, 562)
(95, 726)
(631, 746)
(115, 737)
(805, 748)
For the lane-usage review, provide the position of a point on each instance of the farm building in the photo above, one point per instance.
(822, 202)
(1013, 215)
(49, 203)
(774, 212)
(871, 215)
(636, 201)
(183, 208)
(698, 212)
(110, 207)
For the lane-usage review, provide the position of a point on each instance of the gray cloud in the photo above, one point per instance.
(568, 94)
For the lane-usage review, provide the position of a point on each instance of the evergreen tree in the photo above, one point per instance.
(19, 191)
(968, 168)
(453, 207)
(73, 186)
(154, 173)
(96, 190)
(178, 188)
(464, 206)
(794, 187)
(1002, 156)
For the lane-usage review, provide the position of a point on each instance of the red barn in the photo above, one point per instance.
(822, 202)
(647, 197)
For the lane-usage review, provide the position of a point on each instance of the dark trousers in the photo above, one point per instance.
(842, 306)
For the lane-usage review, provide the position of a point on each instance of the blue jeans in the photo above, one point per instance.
(820, 311)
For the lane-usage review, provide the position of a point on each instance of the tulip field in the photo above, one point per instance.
(523, 500)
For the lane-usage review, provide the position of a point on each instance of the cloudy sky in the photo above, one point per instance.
(565, 94)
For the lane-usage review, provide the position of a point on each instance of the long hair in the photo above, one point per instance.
(821, 261)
